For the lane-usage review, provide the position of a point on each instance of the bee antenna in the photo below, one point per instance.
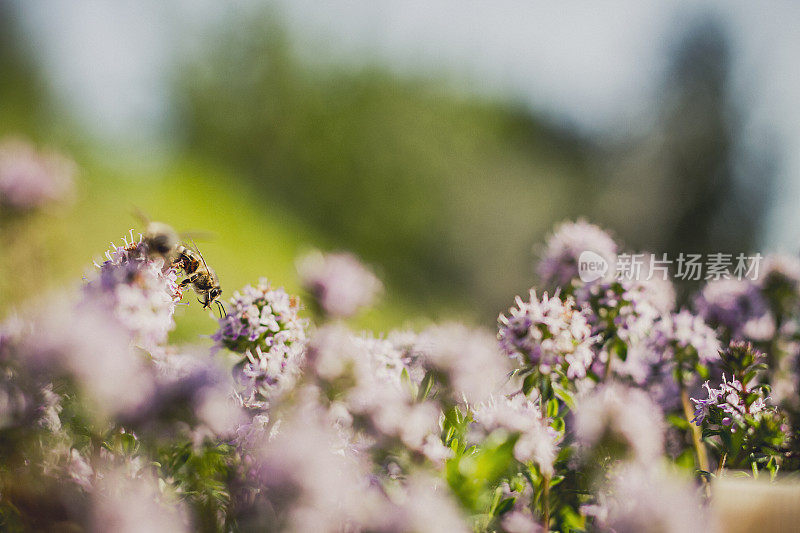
(222, 311)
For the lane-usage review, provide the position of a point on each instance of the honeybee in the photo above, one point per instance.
(162, 241)
(200, 277)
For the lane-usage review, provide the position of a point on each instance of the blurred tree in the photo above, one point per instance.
(23, 93)
(703, 147)
(693, 177)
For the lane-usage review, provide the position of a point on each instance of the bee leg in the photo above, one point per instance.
(188, 281)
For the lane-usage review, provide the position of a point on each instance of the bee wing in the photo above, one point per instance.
(200, 235)
(140, 215)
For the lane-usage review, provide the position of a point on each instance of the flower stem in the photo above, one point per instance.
(546, 502)
(545, 480)
(721, 464)
(699, 447)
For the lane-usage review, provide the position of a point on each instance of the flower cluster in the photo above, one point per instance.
(625, 309)
(682, 335)
(565, 418)
(550, 334)
(263, 325)
(739, 416)
(729, 400)
(368, 386)
(558, 264)
(140, 291)
(649, 499)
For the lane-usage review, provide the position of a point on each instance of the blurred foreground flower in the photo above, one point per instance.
(647, 498)
(537, 442)
(466, 361)
(338, 283)
(30, 179)
(738, 308)
(623, 422)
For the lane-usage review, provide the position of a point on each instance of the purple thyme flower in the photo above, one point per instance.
(685, 331)
(658, 290)
(264, 326)
(338, 282)
(520, 521)
(31, 179)
(392, 355)
(550, 333)
(310, 479)
(558, 264)
(424, 504)
(731, 399)
(737, 306)
(79, 471)
(678, 338)
(625, 309)
(139, 291)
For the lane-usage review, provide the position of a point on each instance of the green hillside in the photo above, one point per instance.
(245, 238)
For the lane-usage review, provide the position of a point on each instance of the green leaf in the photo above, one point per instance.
(773, 471)
(552, 408)
(678, 421)
(528, 384)
(425, 387)
(564, 395)
(128, 443)
(621, 350)
(504, 506)
(408, 385)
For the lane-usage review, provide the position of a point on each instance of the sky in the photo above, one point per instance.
(594, 65)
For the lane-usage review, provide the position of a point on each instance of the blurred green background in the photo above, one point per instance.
(444, 191)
